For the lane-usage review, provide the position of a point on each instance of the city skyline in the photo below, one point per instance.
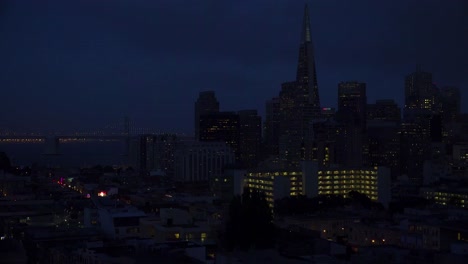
(132, 131)
(87, 62)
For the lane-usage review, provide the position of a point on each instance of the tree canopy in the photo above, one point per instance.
(4, 162)
(250, 222)
(303, 205)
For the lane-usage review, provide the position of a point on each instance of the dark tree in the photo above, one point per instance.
(4, 162)
(98, 168)
(108, 169)
(398, 206)
(304, 205)
(250, 222)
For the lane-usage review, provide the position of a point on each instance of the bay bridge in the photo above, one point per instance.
(52, 141)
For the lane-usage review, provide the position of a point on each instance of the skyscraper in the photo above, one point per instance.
(153, 152)
(250, 135)
(414, 146)
(327, 149)
(383, 137)
(221, 127)
(383, 140)
(451, 101)
(384, 110)
(421, 103)
(306, 78)
(205, 104)
(420, 95)
(352, 102)
(271, 130)
(299, 104)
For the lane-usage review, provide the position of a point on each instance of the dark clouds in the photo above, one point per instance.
(87, 63)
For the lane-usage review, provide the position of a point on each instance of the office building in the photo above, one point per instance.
(327, 144)
(221, 127)
(271, 131)
(197, 161)
(250, 137)
(153, 152)
(451, 103)
(299, 104)
(385, 110)
(383, 140)
(352, 102)
(420, 92)
(206, 104)
(414, 150)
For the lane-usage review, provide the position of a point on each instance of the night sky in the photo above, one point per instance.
(87, 63)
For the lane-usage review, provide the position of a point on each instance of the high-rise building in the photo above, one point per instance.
(383, 139)
(384, 110)
(435, 128)
(292, 127)
(197, 161)
(352, 102)
(271, 130)
(221, 127)
(206, 104)
(414, 146)
(422, 102)
(242, 131)
(420, 92)
(250, 136)
(451, 102)
(421, 99)
(153, 153)
(306, 78)
(141, 150)
(299, 103)
(164, 148)
(327, 148)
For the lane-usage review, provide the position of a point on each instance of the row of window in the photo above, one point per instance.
(350, 187)
(361, 172)
(368, 183)
(367, 177)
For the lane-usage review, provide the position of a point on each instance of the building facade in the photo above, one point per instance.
(153, 152)
(250, 137)
(205, 104)
(197, 161)
(299, 104)
(311, 181)
(384, 110)
(221, 127)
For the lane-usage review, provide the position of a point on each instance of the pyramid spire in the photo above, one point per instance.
(306, 73)
(305, 37)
